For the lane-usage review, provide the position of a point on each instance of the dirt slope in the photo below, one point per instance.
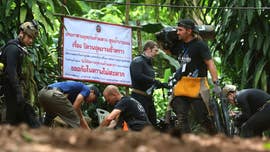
(23, 139)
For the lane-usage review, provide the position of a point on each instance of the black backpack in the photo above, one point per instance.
(2, 57)
(2, 66)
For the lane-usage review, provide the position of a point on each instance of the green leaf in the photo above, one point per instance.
(242, 26)
(259, 43)
(251, 39)
(227, 16)
(152, 27)
(245, 67)
(228, 37)
(23, 12)
(29, 3)
(259, 5)
(167, 74)
(171, 60)
(26, 136)
(258, 72)
(266, 46)
(243, 2)
(249, 16)
(231, 48)
(8, 8)
(264, 81)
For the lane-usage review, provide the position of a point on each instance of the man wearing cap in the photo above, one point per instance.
(64, 99)
(255, 109)
(12, 57)
(195, 59)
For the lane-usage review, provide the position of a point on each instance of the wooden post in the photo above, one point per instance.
(60, 47)
(139, 36)
(157, 11)
(127, 11)
(126, 23)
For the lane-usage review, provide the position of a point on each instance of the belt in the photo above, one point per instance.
(53, 88)
(140, 92)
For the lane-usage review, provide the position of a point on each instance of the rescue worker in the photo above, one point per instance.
(64, 99)
(195, 60)
(12, 56)
(143, 77)
(125, 109)
(255, 109)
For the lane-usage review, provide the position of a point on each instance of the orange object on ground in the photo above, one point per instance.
(125, 126)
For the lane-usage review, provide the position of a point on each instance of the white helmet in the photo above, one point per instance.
(228, 88)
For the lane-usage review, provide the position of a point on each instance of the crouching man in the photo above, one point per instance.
(64, 99)
(125, 109)
(255, 107)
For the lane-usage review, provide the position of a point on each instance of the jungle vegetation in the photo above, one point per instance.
(241, 47)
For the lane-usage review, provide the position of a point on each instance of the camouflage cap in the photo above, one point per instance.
(30, 28)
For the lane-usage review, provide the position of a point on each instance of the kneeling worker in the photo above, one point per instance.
(255, 107)
(64, 99)
(125, 109)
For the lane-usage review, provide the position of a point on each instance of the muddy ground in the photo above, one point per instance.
(23, 139)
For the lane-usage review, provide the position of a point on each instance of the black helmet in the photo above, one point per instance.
(30, 28)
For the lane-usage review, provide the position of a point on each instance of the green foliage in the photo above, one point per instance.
(241, 40)
(40, 67)
(161, 102)
(108, 14)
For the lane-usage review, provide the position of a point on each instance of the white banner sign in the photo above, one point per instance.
(95, 51)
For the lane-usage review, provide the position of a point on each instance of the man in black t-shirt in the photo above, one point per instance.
(255, 107)
(125, 109)
(195, 59)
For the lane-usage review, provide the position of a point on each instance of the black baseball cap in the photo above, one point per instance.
(189, 24)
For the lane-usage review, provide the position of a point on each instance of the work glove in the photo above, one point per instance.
(159, 84)
(217, 89)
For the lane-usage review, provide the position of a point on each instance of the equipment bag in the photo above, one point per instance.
(2, 58)
(2, 66)
(190, 86)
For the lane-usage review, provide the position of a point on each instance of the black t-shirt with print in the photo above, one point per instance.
(192, 55)
(132, 112)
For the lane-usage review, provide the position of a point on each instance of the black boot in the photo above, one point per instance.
(48, 121)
